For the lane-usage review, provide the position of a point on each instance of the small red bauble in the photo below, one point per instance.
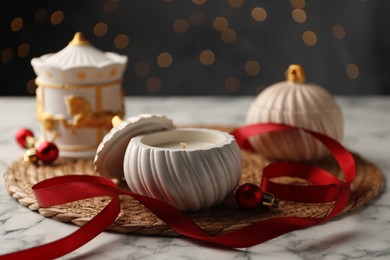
(47, 152)
(21, 137)
(249, 196)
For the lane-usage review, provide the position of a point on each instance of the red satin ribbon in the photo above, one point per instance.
(325, 188)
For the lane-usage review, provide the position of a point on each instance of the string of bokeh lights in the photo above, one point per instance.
(165, 59)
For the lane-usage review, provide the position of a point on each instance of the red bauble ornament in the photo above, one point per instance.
(249, 196)
(21, 136)
(47, 152)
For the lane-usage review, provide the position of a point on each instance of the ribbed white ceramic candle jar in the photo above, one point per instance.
(189, 168)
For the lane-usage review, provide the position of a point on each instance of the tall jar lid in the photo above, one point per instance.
(81, 58)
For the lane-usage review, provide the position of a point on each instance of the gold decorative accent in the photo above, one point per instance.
(30, 142)
(116, 120)
(76, 86)
(269, 200)
(48, 121)
(295, 73)
(79, 39)
(81, 75)
(30, 156)
(83, 116)
(113, 72)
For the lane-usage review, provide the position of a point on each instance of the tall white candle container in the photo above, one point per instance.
(190, 168)
(79, 92)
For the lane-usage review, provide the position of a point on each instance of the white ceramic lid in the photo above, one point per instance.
(81, 58)
(110, 153)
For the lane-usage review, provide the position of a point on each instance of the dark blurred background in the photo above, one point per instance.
(207, 47)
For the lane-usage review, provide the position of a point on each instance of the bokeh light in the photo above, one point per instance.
(309, 38)
(110, 6)
(298, 3)
(252, 68)
(180, 25)
(220, 24)
(164, 60)
(338, 32)
(57, 17)
(31, 86)
(142, 69)
(100, 29)
(6, 55)
(17, 24)
(232, 85)
(23, 50)
(207, 57)
(229, 36)
(353, 71)
(40, 15)
(259, 14)
(299, 15)
(153, 85)
(121, 41)
(235, 3)
(199, 2)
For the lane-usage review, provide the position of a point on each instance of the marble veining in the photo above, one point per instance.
(361, 234)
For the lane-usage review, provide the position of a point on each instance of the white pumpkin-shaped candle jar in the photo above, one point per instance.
(190, 168)
(296, 103)
(79, 92)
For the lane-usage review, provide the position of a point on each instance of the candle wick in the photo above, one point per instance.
(183, 145)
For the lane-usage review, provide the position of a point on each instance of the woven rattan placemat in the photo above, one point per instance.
(135, 218)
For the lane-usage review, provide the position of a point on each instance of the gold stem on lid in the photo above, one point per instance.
(295, 73)
(116, 120)
(79, 39)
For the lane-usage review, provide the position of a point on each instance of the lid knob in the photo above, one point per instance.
(79, 39)
(295, 73)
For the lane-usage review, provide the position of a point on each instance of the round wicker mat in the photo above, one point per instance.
(135, 218)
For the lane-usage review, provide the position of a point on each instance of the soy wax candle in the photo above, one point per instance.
(190, 168)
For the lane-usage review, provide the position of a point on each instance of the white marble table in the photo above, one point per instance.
(363, 234)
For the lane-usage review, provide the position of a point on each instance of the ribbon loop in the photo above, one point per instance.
(322, 187)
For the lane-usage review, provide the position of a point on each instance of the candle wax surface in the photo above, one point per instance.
(183, 139)
(184, 145)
